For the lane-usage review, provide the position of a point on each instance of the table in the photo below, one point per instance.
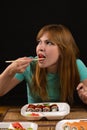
(12, 113)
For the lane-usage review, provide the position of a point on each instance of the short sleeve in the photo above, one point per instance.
(82, 69)
(19, 76)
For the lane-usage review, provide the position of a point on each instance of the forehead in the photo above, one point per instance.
(45, 36)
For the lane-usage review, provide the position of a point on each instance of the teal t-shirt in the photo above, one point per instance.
(53, 85)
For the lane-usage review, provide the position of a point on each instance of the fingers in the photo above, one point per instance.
(80, 86)
(83, 97)
(20, 64)
(82, 92)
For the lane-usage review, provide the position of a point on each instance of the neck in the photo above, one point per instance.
(52, 69)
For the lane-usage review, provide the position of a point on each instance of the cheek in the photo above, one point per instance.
(55, 56)
(55, 53)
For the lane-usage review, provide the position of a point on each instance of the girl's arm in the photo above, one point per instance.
(7, 79)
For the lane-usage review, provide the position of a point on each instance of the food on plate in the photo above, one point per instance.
(42, 108)
(54, 107)
(46, 108)
(18, 126)
(31, 108)
(57, 111)
(38, 108)
(33, 114)
(81, 125)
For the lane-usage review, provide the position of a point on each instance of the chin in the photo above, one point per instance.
(42, 66)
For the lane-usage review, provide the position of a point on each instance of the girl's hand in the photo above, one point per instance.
(82, 92)
(19, 65)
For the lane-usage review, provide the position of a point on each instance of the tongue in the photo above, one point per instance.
(41, 56)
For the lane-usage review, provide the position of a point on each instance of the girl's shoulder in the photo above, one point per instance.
(82, 68)
(80, 63)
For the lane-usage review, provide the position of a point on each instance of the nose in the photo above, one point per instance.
(42, 47)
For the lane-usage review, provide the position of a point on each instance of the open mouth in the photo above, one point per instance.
(41, 56)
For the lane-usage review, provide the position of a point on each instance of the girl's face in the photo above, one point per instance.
(50, 51)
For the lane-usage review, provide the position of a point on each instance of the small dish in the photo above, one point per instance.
(34, 126)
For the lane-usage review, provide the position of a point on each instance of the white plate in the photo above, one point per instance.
(59, 125)
(64, 109)
(26, 125)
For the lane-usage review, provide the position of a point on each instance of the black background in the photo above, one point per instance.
(21, 20)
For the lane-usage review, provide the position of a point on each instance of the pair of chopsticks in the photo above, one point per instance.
(34, 59)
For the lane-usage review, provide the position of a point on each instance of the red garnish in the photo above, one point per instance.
(17, 125)
(33, 114)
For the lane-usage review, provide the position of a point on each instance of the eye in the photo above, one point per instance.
(49, 43)
(38, 42)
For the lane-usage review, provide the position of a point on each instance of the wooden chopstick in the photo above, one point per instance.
(9, 61)
(34, 59)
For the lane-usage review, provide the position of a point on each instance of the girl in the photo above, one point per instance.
(55, 74)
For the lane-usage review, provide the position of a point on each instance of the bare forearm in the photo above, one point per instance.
(5, 81)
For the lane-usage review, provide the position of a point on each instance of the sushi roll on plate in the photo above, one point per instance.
(46, 108)
(39, 108)
(31, 108)
(81, 125)
(54, 107)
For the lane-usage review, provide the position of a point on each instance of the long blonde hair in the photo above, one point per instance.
(67, 68)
